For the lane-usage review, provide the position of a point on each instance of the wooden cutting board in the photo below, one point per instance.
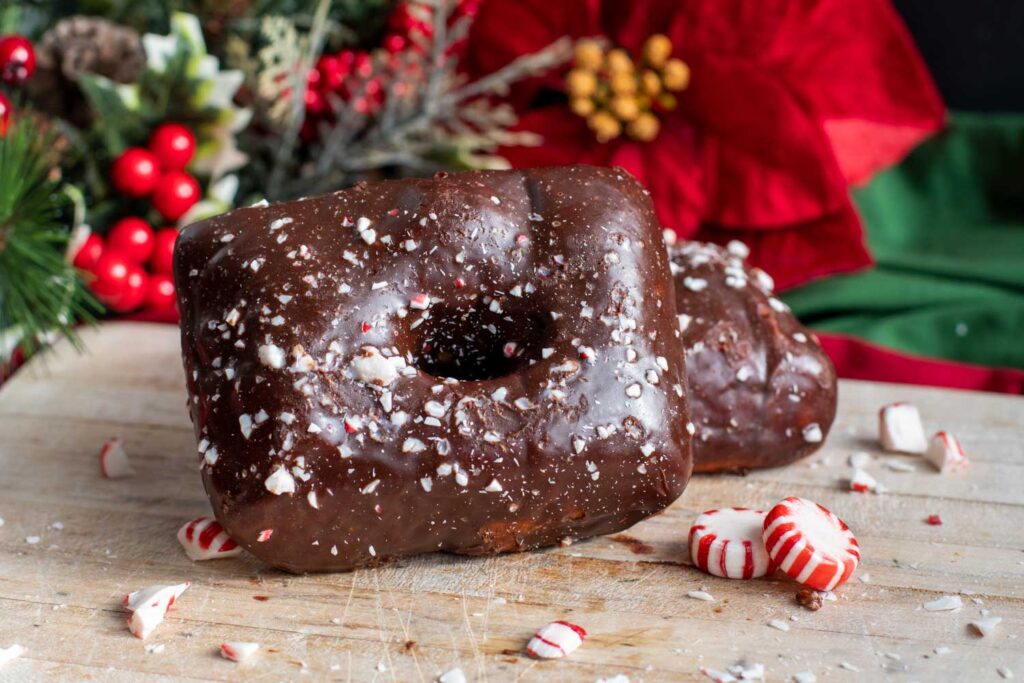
(419, 618)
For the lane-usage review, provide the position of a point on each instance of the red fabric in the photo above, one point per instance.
(858, 359)
(789, 100)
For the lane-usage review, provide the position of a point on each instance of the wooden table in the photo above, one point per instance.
(418, 618)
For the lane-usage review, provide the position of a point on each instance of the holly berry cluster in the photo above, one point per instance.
(17, 64)
(132, 267)
(159, 171)
(118, 265)
(361, 77)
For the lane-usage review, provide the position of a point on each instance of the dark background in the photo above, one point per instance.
(975, 49)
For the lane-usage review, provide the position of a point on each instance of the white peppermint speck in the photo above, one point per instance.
(272, 356)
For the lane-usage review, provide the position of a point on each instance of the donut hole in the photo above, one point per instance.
(478, 344)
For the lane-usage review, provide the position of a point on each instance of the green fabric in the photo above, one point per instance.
(946, 228)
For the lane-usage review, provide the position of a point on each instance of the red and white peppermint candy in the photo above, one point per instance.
(945, 453)
(810, 544)
(900, 428)
(205, 539)
(557, 639)
(114, 460)
(728, 543)
(238, 651)
(149, 605)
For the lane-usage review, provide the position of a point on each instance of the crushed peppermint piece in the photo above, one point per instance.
(245, 424)
(114, 463)
(237, 651)
(695, 284)
(149, 606)
(413, 445)
(985, 626)
(280, 482)
(812, 433)
(272, 356)
(701, 595)
(555, 640)
(371, 367)
(944, 604)
(9, 654)
(452, 676)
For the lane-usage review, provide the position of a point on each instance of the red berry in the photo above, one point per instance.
(17, 59)
(934, 520)
(89, 253)
(6, 108)
(174, 146)
(160, 292)
(332, 72)
(162, 260)
(133, 237)
(135, 287)
(313, 78)
(394, 43)
(175, 193)
(315, 102)
(135, 172)
(110, 273)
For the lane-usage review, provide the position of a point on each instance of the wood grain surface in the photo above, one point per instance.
(418, 618)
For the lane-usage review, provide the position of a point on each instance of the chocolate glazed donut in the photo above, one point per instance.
(762, 390)
(478, 363)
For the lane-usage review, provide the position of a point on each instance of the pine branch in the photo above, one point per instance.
(40, 292)
(430, 112)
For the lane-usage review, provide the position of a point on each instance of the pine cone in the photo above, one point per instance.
(77, 45)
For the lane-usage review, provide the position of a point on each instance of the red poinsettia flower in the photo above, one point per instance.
(785, 104)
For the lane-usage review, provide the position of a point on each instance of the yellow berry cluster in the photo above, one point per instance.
(615, 93)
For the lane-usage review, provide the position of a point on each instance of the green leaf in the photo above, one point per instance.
(118, 110)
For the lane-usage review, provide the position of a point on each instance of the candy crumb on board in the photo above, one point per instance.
(810, 544)
(900, 429)
(10, 653)
(736, 672)
(945, 453)
(727, 543)
(114, 462)
(149, 605)
(557, 639)
(701, 595)
(238, 651)
(944, 604)
(204, 539)
(455, 675)
(985, 626)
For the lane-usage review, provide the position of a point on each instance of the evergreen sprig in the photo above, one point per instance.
(41, 294)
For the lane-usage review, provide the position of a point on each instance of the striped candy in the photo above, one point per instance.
(945, 453)
(728, 543)
(114, 460)
(810, 544)
(204, 539)
(557, 639)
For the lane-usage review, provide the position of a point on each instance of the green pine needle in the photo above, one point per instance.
(40, 292)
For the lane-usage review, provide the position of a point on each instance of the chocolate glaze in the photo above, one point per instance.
(762, 390)
(355, 390)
